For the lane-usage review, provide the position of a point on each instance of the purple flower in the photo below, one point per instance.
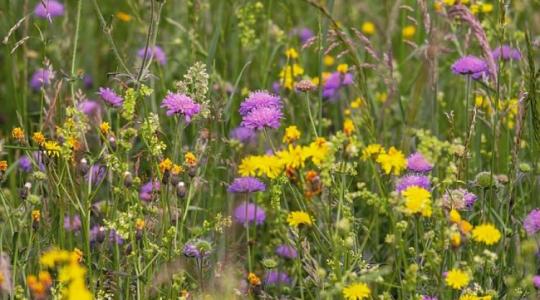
(505, 52)
(155, 52)
(25, 164)
(114, 237)
(286, 251)
(48, 9)
(242, 134)
(72, 223)
(96, 174)
(532, 222)
(246, 185)
(469, 199)
(334, 82)
(248, 213)
(413, 180)
(198, 248)
(276, 87)
(110, 97)
(536, 281)
(190, 250)
(429, 297)
(263, 117)
(180, 104)
(303, 33)
(148, 190)
(276, 278)
(418, 163)
(97, 234)
(41, 78)
(470, 65)
(88, 81)
(89, 108)
(459, 199)
(257, 100)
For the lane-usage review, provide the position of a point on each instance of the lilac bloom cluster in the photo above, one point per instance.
(155, 52)
(532, 222)
(176, 103)
(247, 212)
(48, 9)
(334, 82)
(147, 190)
(243, 134)
(418, 167)
(505, 52)
(303, 33)
(276, 278)
(25, 163)
(110, 97)
(41, 78)
(197, 249)
(286, 251)
(90, 108)
(246, 185)
(476, 67)
(261, 110)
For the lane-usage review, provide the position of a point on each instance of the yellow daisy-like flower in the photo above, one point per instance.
(291, 53)
(348, 127)
(289, 73)
(486, 233)
(3, 165)
(356, 291)
(104, 127)
(408, 31)
(294, 157)
(317, 150)
(328, 60)
(455, 217)
(357, 103)
(52, 148)
(297, 218)
(368, 28)
(457, 279)
(124, 17)
(291, 135)
(417, 200)
(190, 159)
(474, 297)
(342, 68)
(165, 165)
(38, 138)
(392, 161)
(248, 166)
(17, 133)
(371, 150)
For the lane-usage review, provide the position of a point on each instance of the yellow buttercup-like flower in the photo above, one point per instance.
(408, 31)
(368, 28)
(486, 234)
(457, 279)
(356, 291)
(371, 150)
(292, 134)
(417, 200)
(392, 161)
(297, 218)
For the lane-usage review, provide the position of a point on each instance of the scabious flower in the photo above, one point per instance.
(457, 279)
(413, 180)
(249, 213)
(257, 100)
(470, 65)
(459, 199)
(334, 82)
(505, 52)
(156, 52)
(286, 251)
(89, 107)
(486, 233)
(72, 223)
(276, 278)
(243, 134)
(48, 9)
(532, 222)
(246, 185)
(297, 218)
(417, 200)
(147, 190)
(536, 281)
(176, 103)
(25, 164)
(110, 97)
(264, 117)
(357, 291)
(416, 162)
(41, 78)
(303, 33)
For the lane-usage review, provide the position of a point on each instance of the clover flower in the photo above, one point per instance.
(246, 185)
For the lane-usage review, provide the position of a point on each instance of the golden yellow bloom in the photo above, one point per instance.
(450, 2)
(52, 148)
(455, 217)
(328, 60)
(289, 73)
(474, 297)
(465, 226)
(291, 53)
(348, 127)
(342, 68)
(254, 279)
(104, 127)
(36, 215)
(392, 161)
(381, 96)
(297, 218)
(371, 150)
(356, 291)
(317, 150)
(486, 233)
(79, 254)
(139, 224)
(455, 239)
(264, 165)
(38, 138)
(368, 28)
(17, 133)
(357, 103)
(475, 8)
(408, 31)
(486, 8)
(190, 159)
(165, 165)
(124, 17)
(417, 200)
(457, 279)
(3, 165)
(294, 157)
(176, 169)
(292, 134)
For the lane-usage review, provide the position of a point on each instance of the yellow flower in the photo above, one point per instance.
(52, 148)
(417, 200)
(254, 279)
(328, 60)
(139, 224)
(457, 279)
(165, 165)
(292, 134)
(371, 150)
(455, 239)
(3, 165)
(455, 217)
(264, 165)
(36, 215)
(486, 233)
(342, 68)
(486, 8)
(291, 53)
(449, 2)
(294, 157)
(190, 159)
(124, 17)
(176, 169)
(248, 166)
(317, 150)
(289, 73)
(38, 138)
(297, 218)
(474, 297)
(17, 133)
(357, 103)
(348, 127)
(475, 8)
(368, 28)
(104, 127)
(356, 291)
(465, 226)
(393, 161)
(381, 96)
(408, 31)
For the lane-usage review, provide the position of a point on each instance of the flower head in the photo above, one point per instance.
(392, 161)
(276, 278)
(48, 9)
(72, 223)
(532, 222)
(536, 281)
(486, 233)
(416, 162)
(257, 100)
(180, 104)
(246, 185)
(297, 218)
(505, 52)
(147, 191)
(249, 213)
(41, 78)
(264, 117)
(356, 291)
(155, 52)
(470, 65)
(291, 135)
(243, 134)
(417, 200)
(286, 251)
(413, 180)
(457, 279)
(459, 199)
(110, 97)
(89, 108)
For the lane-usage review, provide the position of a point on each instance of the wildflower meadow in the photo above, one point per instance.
(270, 149)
